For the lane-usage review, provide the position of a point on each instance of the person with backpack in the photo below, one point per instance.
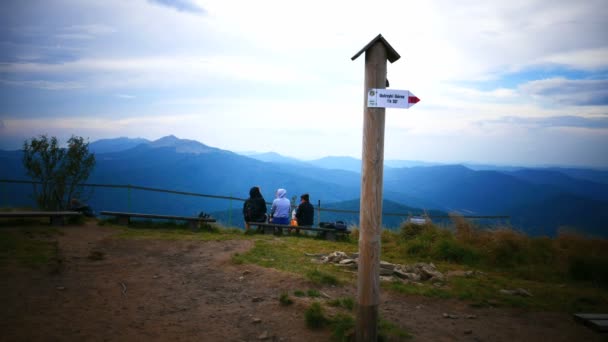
(281, 206)
(254, 209)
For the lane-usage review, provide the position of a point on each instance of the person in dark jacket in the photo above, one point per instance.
(254, 209)
(305, 213)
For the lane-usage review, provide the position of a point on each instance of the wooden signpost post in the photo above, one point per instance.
(377, 52)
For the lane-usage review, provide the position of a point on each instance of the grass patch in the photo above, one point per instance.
(322, 278)
(342, 327)
(347, 303)
(29, 247)
(388, 331)
(313, 293)
(299, 293)
(285, 300)
(288, 254)
(315, 316)
(177, 232)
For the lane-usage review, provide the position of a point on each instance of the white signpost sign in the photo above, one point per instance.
(390, 98)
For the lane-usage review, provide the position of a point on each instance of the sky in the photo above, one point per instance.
(517, 82)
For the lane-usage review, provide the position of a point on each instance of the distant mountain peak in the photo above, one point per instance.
(182, 145)
(116, 144)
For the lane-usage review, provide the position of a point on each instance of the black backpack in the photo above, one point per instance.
(338, 225)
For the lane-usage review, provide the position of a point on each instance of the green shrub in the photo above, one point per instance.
(313, 293)
(285, 300)
(451, 250)
(299, 293)
(593, 269)
(418, 248)
(411, 230)
(542, 251)
(343, 327)
(347, 303)
(507, 248)
(315, 318)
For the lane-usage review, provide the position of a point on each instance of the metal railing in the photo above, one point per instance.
(4, 195)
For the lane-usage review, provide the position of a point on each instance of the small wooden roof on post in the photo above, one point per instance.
(391, 54)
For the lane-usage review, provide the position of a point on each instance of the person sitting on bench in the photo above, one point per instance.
(254, 209)
(305, 213)
(279, 212)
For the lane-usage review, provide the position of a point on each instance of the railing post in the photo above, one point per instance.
(230, 211)
(129, 198)
(319, 212)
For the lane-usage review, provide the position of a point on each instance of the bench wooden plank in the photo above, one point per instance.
(586, 316)
(599, 325)
(158, 216)
(57, 218)
(270, 228)
(38, 213)
(124, 218)
(599, 322)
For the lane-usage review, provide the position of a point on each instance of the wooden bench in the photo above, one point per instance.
(57, 218)
(272, 228)
(125, 218)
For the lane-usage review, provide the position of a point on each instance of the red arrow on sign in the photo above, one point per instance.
(412, 99)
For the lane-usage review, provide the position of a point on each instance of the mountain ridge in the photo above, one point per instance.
(189, 166)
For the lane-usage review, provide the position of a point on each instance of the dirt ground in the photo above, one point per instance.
(190, 291)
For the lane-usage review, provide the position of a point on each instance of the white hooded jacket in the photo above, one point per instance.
(281, 205)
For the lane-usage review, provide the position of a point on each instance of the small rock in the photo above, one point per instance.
(456, 273)
(407, 275)
(387, 265)
(418, 306)
(241, 278)
(386, 278)
(517, 292)
(385, 272)
(325, 295)
(264, 336)
(60, 288)
(316, 255)
(468, 332)
(471, 317)
(257, 299)
(256, 320)
(246, 272)
(451, 316)
(155, 276)
(523, 292)
(347, 261)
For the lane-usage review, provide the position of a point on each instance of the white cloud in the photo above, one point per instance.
(565, 91)
(283, 68)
